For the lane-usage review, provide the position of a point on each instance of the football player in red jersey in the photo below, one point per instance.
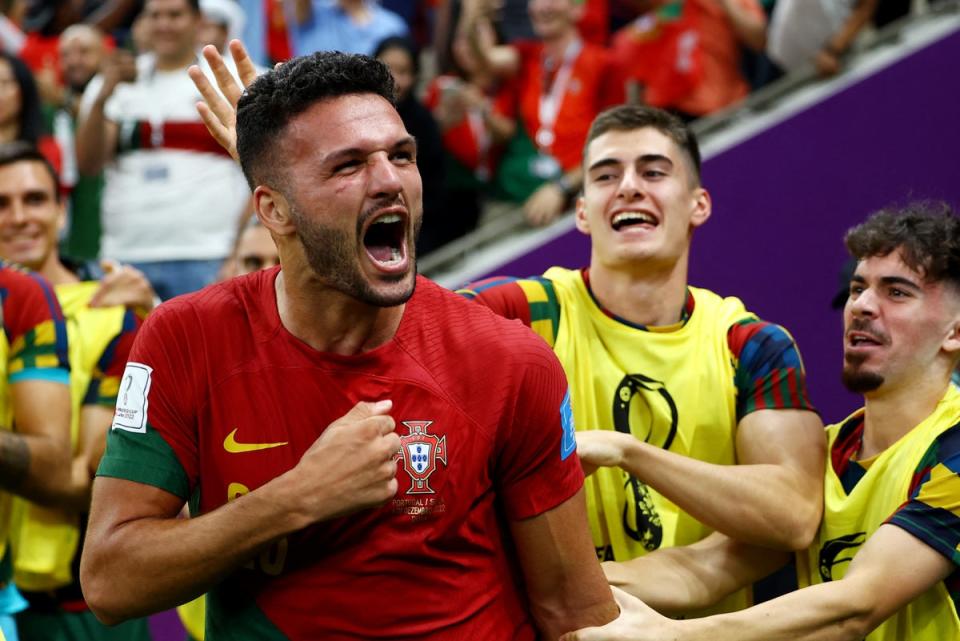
(371, 455)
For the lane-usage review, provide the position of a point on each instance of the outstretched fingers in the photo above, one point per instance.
(226, 81)
(245, 67)
(217, 114)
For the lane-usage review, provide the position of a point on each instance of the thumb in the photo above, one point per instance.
(108, 265)
(97, 299)
(365, 409)
(626, 601)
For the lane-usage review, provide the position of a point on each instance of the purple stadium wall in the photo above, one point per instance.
(784, 198)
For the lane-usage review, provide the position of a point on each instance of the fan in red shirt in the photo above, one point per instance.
(562, 83)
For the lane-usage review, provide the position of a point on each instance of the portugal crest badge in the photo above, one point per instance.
(420, 452)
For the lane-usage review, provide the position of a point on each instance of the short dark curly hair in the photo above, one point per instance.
(272, 100)
(926, 233)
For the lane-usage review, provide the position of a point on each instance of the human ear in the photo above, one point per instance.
(273, 210)
(581, 217)
(702, 207)
(951, 344)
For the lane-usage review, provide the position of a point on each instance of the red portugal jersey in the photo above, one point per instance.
(220, 399)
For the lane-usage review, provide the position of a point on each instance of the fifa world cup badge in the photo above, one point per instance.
(420, 452)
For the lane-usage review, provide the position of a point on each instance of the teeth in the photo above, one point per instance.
(633, 216)
(389, 218)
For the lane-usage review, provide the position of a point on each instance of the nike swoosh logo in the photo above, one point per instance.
(231, 445)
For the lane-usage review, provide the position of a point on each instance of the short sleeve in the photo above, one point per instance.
(533, 301)
(769, 371)
(537, 468)
(105, 382)
(153, 438)
(35, 328)
(932, 512)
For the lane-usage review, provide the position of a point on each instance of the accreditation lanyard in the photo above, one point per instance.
(158, 169)
(550, 101)
(482, 138)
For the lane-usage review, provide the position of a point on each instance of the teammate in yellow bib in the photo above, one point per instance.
(671, 385)
(884, 564)
(100, 331)
(34, 408)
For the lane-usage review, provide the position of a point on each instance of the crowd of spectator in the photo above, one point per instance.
(498, 93)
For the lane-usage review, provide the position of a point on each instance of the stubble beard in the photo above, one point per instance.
(859, 380)
(331, 254)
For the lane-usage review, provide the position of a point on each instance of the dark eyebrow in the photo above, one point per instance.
(900, 280)
(889, 280)
(646, 159)
(409, 141)
(338, 156)
(604, 162)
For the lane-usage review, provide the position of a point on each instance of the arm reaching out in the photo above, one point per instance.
(772, 498)
(892, 569)
(686, 578)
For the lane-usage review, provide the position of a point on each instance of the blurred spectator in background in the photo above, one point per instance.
(350, 26)
(255, 249)
(20, 115)
(82, 50)
(172, 196)
(419, 16)
(46, 20)
(756, 65)
(402, 59)
(475, 113)
(221, 21)
(43, 23)
(265, 32)
(594, 22)
(816, 31)
(685, 54)
(12, 36)
(561, 84)
(890, 10)
(140, 37)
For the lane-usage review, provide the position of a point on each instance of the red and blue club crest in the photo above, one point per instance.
(420, 452)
